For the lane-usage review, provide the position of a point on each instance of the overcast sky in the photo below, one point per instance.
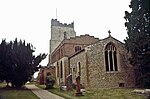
(29, 20)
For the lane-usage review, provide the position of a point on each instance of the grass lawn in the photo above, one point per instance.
(9, 93)
(105, 93)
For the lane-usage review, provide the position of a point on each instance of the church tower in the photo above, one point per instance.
(59, 32)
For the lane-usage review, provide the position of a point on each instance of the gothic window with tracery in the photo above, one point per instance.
(111, 57)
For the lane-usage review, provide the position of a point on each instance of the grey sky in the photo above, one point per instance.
(30, 19)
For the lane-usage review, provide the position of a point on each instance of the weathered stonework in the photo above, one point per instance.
(74, 60)
(59, 32)
(64, 50)
(93, 69)
(57, 64)
(86, 56)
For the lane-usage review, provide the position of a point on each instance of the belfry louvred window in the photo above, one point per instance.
(111, 57)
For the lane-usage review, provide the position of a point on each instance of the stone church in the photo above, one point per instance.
(103, 64)
(99, 62)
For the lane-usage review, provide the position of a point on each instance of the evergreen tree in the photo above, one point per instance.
(17, 62)
(138, 40)
(5, 63)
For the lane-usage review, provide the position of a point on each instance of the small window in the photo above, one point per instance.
(79, 66)
(77, 48)
(65, 35)
(61, 70)
(74, 69)
(57, 69)
(121, 84)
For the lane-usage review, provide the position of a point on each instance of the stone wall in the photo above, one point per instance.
(74, 60)
(57, 33)
(67, 46)
(65, 70)
(99, 77)
(93, 69)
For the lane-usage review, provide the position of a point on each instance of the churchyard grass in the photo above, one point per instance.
(103, 93)
(10, 93)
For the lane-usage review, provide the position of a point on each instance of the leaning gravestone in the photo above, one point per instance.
(78, 87)
(69, 82)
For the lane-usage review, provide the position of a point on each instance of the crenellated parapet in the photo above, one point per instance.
(54, 22)
(83, 36)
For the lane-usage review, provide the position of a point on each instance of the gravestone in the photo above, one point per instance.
(69, 82)
(49, 81)
(78, 87)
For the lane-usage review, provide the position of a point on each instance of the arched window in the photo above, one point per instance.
(111, 57)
